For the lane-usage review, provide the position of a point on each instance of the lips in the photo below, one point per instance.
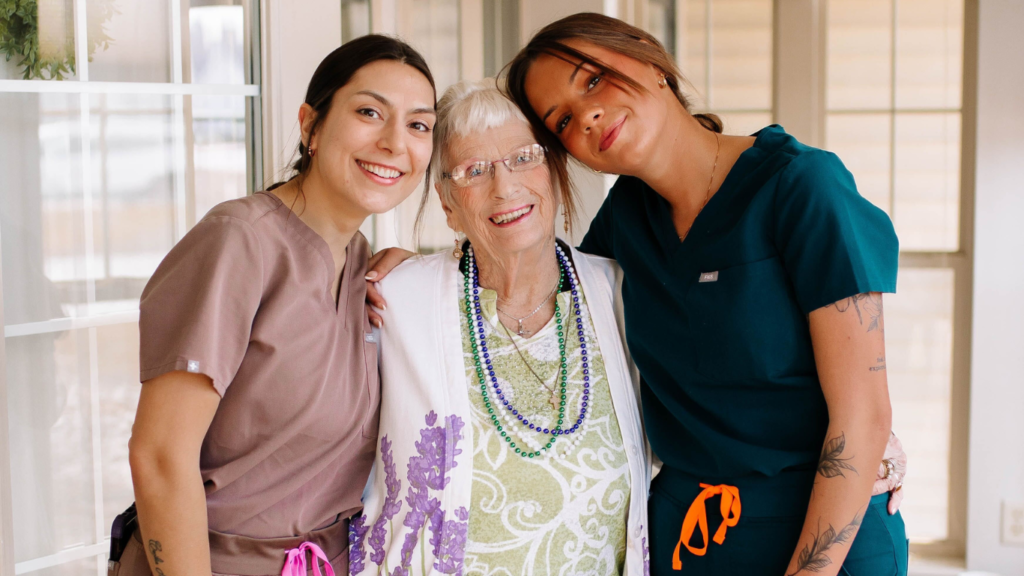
(512, 216)
(381, 172)
(609, 134)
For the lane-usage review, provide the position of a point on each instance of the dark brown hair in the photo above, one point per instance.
(337, 69)
(606, 32)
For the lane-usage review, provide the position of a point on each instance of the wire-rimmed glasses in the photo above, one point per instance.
(478, 172)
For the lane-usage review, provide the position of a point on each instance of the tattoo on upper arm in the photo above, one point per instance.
(880, 366)
(867, 304)
(814, 557)
(154, 547)
(831, 464)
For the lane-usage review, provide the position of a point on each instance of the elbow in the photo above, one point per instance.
(156, 466)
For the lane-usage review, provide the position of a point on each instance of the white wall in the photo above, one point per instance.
(997, 362)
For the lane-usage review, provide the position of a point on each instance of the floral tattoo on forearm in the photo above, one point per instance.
(832, 463)
(814, 556)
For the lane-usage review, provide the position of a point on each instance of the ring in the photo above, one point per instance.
(890, 468)
(897, 488)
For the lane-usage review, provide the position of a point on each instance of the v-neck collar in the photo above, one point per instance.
(315, 241)
(659, 210)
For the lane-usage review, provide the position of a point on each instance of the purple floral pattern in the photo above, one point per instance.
(647, 556)
(436, 452)
(378, 534)
(356, 531)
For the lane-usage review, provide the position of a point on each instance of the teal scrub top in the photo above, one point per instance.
(717, 324)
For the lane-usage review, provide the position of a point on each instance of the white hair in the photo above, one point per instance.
(468, 108)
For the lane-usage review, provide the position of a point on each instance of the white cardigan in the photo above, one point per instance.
(424, 447)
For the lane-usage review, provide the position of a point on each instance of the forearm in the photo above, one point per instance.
(175, 411)
(846, 473)
(172, 517)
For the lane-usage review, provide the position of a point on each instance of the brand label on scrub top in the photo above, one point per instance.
(709, 276)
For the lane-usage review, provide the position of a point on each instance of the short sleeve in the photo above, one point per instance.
(598, 240)
(834, 243)
(197, 310)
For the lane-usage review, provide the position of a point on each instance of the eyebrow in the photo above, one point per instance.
(384, 101)
(572, 78)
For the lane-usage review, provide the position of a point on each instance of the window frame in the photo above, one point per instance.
(184, 218)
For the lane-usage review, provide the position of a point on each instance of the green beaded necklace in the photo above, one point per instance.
(469, 291)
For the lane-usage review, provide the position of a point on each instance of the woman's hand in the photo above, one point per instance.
(891, 479)
(378, 267)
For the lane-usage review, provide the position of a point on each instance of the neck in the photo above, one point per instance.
(684, 163)
(521, 279)
(323, 210)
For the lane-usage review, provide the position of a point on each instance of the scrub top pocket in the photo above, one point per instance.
(740, 315)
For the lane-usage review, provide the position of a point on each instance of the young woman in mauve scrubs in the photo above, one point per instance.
(257, 422)
(753, 279)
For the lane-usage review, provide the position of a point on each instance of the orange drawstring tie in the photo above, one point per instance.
(698, 515)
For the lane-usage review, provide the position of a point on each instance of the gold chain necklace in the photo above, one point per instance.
(707, 196)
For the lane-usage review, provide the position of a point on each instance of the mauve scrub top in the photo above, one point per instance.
(245, 298)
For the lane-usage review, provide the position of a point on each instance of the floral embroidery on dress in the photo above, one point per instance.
(647, 555)
(436, 453)
(379, 533)
(356, 531)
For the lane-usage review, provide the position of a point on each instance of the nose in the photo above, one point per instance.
(505, 183)
(392, 137)
(590, 118)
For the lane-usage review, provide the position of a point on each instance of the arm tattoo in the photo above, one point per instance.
(880, 366)
(814, 558)
(154, 547)
(832, 463)
(868, 303)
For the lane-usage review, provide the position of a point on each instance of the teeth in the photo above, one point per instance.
(510, 216)
(380, 170)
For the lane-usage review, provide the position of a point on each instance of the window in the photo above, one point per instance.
(103, 173)
(893, 97)
(725, 52)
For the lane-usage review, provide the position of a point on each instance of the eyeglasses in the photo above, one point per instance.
(481, 171)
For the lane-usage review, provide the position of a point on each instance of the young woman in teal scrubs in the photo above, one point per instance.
(753, 280)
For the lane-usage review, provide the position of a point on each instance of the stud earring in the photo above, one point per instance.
(457, 253)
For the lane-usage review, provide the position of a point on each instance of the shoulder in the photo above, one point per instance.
(413, 276)
(603, 270)
(249, 209)
(626, 189)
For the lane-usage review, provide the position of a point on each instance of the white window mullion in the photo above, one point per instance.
(178, 124)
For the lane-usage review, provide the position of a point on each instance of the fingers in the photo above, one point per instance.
(880, 487)
(376, 319)
(373, 298)
(895, 499)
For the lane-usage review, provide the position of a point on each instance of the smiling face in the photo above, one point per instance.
(514, 211)
(374, 146)
(606, 125)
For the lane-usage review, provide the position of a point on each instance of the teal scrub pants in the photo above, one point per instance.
(767, 532)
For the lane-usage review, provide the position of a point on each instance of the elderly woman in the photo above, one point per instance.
(510, 438)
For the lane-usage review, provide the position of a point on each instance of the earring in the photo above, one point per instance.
(662, 82)
(457, 253)
(312, 152)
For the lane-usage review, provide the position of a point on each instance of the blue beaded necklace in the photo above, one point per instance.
(484, 368)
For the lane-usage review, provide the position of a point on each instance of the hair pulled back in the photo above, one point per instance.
(338, 68)
(606, 32)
